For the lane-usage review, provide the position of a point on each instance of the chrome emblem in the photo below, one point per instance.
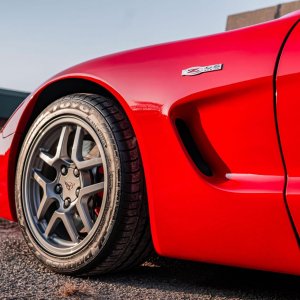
(199, 70)
(69, 185)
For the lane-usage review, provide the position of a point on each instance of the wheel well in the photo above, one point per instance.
(62, 88)
(48, 95)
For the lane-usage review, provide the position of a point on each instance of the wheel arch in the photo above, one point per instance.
(21, 121)
(60, 87)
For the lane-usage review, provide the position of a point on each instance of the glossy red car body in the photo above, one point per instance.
(245, 121)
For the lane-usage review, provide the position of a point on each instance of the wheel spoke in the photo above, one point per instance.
(76, 155)
(82, 203)
(41, 180)
(46, 200)
(84, 214)
(68, 222)
(90, 190)
(89, 163)
(47, 158)
(52, 224)
(77, 145)
(44, 206)
(70, 227)
(62, 146)
(61, 149)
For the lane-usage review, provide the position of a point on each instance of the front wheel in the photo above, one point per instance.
(80, 192)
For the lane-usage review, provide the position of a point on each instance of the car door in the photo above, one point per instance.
(288, 118)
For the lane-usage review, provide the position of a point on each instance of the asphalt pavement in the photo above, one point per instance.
(23, 277)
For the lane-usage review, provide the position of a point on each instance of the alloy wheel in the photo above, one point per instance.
(65, 184)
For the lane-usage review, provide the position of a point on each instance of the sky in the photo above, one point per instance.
(39, 38)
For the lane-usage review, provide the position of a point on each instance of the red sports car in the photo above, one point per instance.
(198, 140)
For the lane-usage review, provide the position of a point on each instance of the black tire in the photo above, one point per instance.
(121, 239)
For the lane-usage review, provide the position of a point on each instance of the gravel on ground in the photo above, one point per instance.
(23, 277)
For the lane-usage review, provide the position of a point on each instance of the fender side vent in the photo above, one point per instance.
(192, 148)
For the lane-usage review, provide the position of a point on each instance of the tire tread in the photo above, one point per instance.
(134, 244)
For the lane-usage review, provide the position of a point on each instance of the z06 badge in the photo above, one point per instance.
(199, 70)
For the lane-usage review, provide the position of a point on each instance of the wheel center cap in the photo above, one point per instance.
(70, 183)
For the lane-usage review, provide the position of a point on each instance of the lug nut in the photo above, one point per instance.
(76, 172)
(77, 191)
(58, 189)
(64, 170)
(67, 202)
